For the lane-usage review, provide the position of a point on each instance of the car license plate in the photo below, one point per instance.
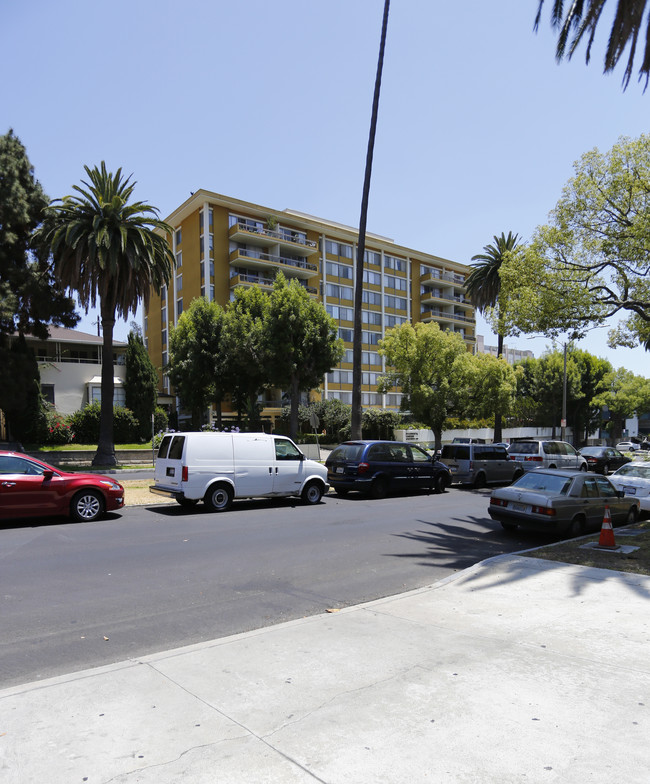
(338, 470)
(519, 507)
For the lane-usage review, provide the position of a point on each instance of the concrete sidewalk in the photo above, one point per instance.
(517, 670)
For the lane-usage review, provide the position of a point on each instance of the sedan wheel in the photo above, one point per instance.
(631, 516)
(87, 506)
(576, 527)
(606, 469)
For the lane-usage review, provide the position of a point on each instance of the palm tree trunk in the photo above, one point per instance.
(105, 455)
(357, 412)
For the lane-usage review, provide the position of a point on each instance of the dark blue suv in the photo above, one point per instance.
(380, 467)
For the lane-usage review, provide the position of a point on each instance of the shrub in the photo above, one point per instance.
(57, 429)
(85, 425)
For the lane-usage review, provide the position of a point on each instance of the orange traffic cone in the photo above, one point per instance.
(607, 532)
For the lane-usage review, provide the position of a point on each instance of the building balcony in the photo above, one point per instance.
(263, 281)
(434, 314)
(442, 279)
(256, 232)
(254, 259)
(437, 295)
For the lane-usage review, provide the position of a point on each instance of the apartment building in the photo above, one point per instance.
(221, 243)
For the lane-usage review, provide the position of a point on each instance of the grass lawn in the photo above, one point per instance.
(637, 562)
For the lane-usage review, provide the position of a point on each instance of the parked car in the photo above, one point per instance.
(31, 488)
(218, 467)
(480, 464)
(634, 480)
(546, 454)
(628, 446)
(380, 467)
(603, 459)
(560, 501)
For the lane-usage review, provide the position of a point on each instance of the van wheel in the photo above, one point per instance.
(442, 483)
(218, 498)
(379, 488)
(479, 481)
(312, 493)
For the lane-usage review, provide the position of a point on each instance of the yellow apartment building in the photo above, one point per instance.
(221, 243)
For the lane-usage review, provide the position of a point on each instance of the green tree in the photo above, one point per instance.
(30, 295)
(582, 410)
(109, 249)
(433, 369)
(493, 389)
(582, 18)
(483, 286)
(303, 342)
(245, 347)
(626, 395)
(592, 262)
(195, 355)
(141, 384)
(20, 390)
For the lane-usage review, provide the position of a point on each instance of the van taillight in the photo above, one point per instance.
(362, 468)
(184, 474)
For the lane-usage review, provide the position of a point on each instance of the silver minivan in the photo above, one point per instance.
(480, 464)
(547, 454)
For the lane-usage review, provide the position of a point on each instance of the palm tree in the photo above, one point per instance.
(105, 248)
(483, 287)
(582, 16)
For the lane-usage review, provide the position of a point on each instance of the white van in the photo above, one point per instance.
(218, 467)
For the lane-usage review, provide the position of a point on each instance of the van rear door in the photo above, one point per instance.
(168, 466)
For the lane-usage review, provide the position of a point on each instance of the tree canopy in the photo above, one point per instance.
(580, 21)
(303, 342)
(30, 294)
(141, 384)
(591, 262)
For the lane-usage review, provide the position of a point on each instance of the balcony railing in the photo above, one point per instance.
(280, 234)
(439, 314)
(432, 277)
(254, 254)
(239, 278)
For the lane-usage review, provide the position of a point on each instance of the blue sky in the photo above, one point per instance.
(478, 129)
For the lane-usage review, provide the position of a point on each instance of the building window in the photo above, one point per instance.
(391, 262)
(211, 241)
(334, 291)
(370, 358)
(370, 399)
(163, 316)
(341, 314)
(339, 270)
(179, 236)
(164, 337)
(179, 282)
(400, 284)
(374, 278)
(371, 297)
(371, 257)
(179, 306)
(398, 303)
(346, 335)
(119, 395)
(165, 359)
(163, 293)
(394, 321)
(370, 379)
(338, 249)
(371, 317)
(211, 293)
(371, 338)
(211, 217)
(179, 259)
(348, 356)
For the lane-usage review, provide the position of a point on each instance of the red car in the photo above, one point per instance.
(31, 488)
